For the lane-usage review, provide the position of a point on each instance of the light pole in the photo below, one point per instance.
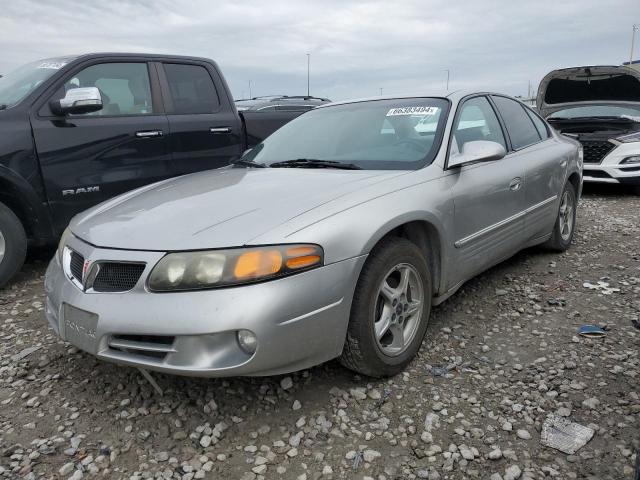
(633, 41)
(380, 91)
(447, 70)
(308, 72)
(250, 89)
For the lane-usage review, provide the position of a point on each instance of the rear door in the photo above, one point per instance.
(88, 158)
(544, 167)
(205, 130)
(488, 196)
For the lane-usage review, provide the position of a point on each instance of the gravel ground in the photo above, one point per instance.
(499, 356)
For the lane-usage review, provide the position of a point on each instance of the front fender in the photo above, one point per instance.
(20, 196)
(354, 230)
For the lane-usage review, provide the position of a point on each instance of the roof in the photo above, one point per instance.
(141, 55)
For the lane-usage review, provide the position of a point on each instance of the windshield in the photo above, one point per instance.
(398, 134)
(21, 82)
(597, 111)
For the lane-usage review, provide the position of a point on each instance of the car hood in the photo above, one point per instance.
(588, 85)
(218, 208)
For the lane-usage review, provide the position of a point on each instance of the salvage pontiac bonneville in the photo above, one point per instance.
(332, 238)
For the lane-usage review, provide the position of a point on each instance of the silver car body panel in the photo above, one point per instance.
(474, 211)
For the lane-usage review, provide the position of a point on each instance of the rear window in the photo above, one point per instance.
(520, 127)
(192, 89)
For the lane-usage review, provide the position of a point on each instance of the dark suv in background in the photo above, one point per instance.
(273, 103)
(266, 114)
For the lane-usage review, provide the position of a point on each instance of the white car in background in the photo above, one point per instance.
(600, 107)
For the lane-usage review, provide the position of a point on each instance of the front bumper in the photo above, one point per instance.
(611, 170)
(299, 321)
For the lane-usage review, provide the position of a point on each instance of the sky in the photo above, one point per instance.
(356, 47)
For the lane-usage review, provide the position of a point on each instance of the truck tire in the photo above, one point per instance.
(13, 244)
(388, 319)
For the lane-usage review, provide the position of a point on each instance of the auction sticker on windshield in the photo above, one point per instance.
(413, 111)
(52, 65)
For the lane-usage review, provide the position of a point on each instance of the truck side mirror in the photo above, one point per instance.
(78, 101)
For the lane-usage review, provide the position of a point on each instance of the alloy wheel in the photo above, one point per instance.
(399, 306)
(566, 216)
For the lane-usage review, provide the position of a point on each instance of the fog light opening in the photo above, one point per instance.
(247, 341)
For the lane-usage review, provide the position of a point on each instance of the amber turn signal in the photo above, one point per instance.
(258, 263)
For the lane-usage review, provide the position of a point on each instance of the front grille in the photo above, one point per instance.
(117, 276)
(595, 151)
(76, 265)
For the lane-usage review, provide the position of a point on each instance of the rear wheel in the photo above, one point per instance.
(565, 221)
(390, 310)
(13, 244)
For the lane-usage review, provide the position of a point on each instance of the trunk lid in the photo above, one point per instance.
(588, 85)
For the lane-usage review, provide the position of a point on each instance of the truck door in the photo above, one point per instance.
(88, 158)
(204, 129)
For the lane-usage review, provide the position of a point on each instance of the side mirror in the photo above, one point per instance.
(478, 151)
(78, 101)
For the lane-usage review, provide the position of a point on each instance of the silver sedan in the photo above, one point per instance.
(332, 238)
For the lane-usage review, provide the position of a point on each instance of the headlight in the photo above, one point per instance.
(237, 266)
(63, 240)
(632, 137)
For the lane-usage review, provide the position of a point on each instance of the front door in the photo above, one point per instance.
(488, 197)
(88, 158)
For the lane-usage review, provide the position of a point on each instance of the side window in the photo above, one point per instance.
(124, 87)
(192, 89)
(477, 121)
(539, 124)
(520, 127)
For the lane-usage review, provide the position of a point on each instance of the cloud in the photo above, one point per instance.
(357, 47)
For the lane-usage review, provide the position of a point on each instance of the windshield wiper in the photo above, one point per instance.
(248, 163)
(313, 163)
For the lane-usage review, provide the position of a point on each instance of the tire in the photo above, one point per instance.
(560, 241)
(368, 352)
(13, 244)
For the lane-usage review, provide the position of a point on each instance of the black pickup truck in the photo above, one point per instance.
(75, 131)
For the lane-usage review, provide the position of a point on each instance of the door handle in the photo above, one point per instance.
(515, 184)
(149, 134)
(220, 130)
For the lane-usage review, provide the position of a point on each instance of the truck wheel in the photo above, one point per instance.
(565, 224)
(390, 310)
(13, 244)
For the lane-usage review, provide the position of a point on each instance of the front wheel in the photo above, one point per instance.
(13, 244)
(390, 310)
(564, 227)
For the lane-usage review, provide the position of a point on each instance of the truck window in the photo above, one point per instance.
(124, 87)
(192, 89)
